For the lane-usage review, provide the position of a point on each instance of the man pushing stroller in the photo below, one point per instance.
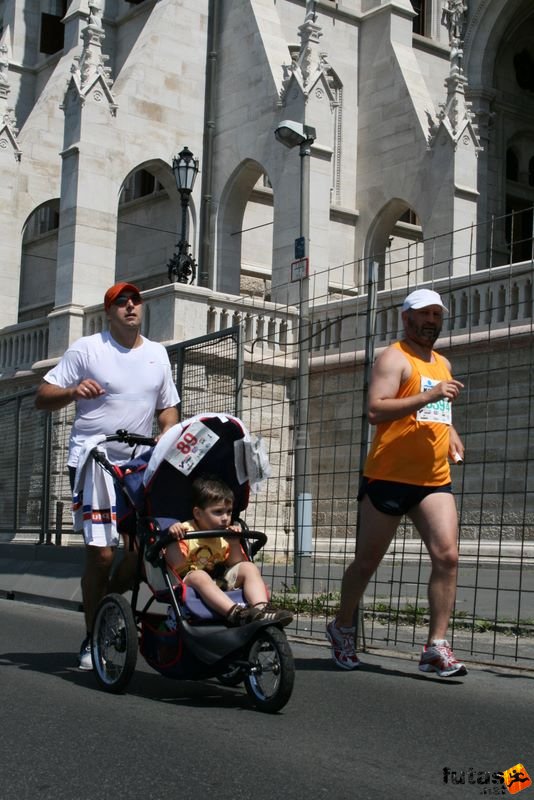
(207, 564)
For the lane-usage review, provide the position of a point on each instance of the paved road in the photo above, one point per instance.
(384, 732)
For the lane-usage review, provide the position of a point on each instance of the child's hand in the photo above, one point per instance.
(177, 530)
(236, 527)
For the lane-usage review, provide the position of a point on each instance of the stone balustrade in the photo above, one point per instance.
(23, 345)
(176, 313)
(489, 300)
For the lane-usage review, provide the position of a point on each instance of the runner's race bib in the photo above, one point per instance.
(440, 411)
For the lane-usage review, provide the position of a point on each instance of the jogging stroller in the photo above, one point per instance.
(152, 491)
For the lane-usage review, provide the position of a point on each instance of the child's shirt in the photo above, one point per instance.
(202, 553)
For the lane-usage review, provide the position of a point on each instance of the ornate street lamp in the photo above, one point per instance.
(182, 265)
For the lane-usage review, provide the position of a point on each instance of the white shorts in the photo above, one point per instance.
(231, 575)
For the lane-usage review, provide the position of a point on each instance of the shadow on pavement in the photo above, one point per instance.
(149, 685)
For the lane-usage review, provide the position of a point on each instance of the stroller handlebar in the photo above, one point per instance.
(154, 549)
(131, 439)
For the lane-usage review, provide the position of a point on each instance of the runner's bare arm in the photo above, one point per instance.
(50, 397)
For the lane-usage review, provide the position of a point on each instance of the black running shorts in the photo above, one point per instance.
(396, 499)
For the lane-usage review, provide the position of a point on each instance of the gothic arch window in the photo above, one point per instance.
(148, 225)
(38, 262)
(52, 28)
(509, 177)
(519, 196)
(419, 21)
(524, 69)
(141, 183)
(396, 244)
(512, 165)
(245, 233)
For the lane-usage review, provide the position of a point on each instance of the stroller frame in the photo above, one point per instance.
(202, 647)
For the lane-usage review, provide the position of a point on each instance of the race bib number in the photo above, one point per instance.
(191, 447)
(440, 411)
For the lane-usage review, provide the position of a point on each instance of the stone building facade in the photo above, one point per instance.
(422, 113)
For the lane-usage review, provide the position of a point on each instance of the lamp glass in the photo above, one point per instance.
(185, 169)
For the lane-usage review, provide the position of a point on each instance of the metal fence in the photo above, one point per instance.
(487, 336)
(306, 394)
(208, 372)
(24, 467)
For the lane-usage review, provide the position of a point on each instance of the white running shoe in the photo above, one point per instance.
(342, 641)
(438, 657)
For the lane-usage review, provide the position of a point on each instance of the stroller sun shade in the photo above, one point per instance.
(208, 444)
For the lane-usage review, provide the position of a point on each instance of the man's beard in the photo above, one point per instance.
(425, 335)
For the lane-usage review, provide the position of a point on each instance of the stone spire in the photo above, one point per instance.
(8, 123)
(456, 112)
(89, 68)
(309, 63)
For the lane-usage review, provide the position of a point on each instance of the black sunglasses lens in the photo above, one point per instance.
(122, 300)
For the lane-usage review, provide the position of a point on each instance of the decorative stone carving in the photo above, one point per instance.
(454, 16)
(89, 68)
(8, 122)
(455, 114)
(309, 65)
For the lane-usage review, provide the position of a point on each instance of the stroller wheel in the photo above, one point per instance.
(114, 643)
(272, 670)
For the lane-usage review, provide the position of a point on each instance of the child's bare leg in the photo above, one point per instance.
(208, 590)
(175, 558)
(250, 581)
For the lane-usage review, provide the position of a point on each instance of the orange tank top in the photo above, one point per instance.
(415, 449)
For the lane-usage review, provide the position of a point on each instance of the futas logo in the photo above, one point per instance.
(516, 779)
(510, 781)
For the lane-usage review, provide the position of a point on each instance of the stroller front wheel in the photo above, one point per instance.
(269, 683)
(114, 643)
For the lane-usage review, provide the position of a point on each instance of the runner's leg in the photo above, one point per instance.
(95, 579)
(436, 519)
(376, 530)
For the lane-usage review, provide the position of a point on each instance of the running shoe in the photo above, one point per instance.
(342, 641)
(268, 612)
(85, 660)
(242, 615)
(438, 657)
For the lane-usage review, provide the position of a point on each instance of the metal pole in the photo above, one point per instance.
(302, 489)
(185, 203)
(205, 258)
(370, 333)
(59, 523)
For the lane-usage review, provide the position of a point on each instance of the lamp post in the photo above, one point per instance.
(182, 265)
(292, 134)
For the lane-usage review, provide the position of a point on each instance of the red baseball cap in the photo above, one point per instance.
(114, 291)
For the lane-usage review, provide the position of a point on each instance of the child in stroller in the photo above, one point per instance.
(200, 644)
(211, 565)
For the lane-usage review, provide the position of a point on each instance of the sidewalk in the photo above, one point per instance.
(42, 573)
(50, 575)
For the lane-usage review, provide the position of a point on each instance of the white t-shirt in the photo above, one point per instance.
(136, 381)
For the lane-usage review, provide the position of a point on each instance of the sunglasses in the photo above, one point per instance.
(122, 300)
